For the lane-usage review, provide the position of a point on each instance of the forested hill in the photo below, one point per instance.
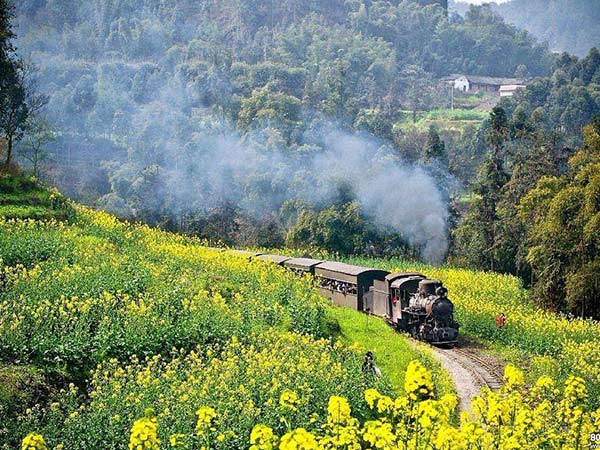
(147, 95)
(566, 25)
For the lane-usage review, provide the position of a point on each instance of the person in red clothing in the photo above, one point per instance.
(500, 321)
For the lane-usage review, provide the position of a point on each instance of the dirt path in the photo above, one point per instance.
(470, 371)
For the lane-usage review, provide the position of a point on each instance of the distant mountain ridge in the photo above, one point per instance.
(566, 25)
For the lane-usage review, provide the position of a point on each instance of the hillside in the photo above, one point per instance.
(566, 25)
(178, 115)
(143, 327)
(153, 311)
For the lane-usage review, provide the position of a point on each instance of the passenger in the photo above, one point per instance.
(500, 321)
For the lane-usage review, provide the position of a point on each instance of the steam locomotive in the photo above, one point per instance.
(409, 301)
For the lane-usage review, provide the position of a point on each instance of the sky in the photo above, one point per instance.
(479, 2)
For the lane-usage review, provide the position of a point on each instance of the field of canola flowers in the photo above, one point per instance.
(120, 336)
(543, 417)
(101, 320)
(551, 344)
(158, 321)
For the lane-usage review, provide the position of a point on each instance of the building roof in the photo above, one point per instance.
(491, 81)
(512, 87)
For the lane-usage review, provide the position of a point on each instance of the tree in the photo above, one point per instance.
(476, 239)
(562, 217)
(6, 33)
(18, 99)
(13, 110)
(33, 146)
(436, 148)
(498, 129)
(418, 88)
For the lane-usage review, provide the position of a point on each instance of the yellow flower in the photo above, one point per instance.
(144, 435)
(262, 438)
(33, 441)
(206, 418)
(371, 396)
(176, 440)
(289, 399)
(299, 439)
(513, 377)
(378, 434)
(418, 383)
(338, 410)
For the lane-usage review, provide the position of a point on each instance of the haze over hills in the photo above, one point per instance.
(170, 112)
(381, 134)
(566, 25)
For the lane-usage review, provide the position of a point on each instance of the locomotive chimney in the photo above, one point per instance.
(428, 287)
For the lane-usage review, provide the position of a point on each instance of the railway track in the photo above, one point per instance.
(484, 371)
(469, 372)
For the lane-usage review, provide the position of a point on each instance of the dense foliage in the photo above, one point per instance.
(567, 25)
(530, 137)
(156, 104)
(563, 217)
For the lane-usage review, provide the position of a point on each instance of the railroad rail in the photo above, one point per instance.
(469, 372)
(483, 370)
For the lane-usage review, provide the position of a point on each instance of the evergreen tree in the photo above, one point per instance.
(436, 147)
(13, 107)
(477, 237)
(562, 217)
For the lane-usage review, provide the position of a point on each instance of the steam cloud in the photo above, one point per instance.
(220, 166)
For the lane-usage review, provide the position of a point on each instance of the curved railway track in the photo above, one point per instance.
(469, 371)
(483, 370)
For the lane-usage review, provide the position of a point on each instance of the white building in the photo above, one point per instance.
(505, 87)
(510, 89)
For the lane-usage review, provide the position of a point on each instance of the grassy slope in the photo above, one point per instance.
(392, 350)
(23, 198)
(39, 377)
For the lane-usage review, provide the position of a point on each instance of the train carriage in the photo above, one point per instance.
(276, 259)
(302, 265)
(346, 285)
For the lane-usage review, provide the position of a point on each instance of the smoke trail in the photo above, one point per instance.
(171, 154)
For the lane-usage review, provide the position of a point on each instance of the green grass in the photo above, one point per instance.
(24, 198)
(456, 114)
(393, 351)
(445, 119)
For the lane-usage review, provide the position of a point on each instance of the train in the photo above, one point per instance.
(409, 301)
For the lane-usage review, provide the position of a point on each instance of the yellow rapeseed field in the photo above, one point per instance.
(143, 339)
(545, 416)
